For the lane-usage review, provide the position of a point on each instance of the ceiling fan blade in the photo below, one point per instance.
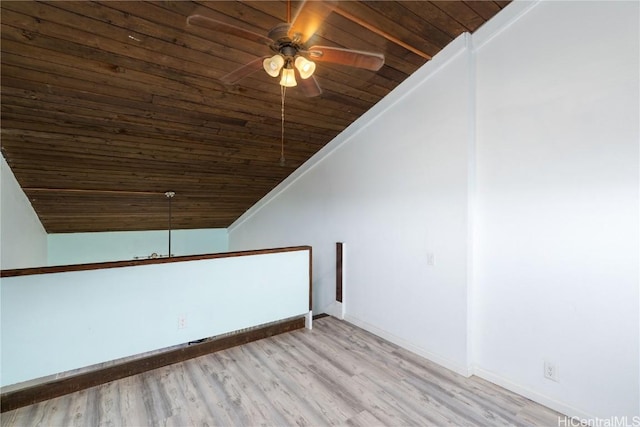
(215, 25)
(242, 72)
(309, 17)
(310, 87)
(352, 58)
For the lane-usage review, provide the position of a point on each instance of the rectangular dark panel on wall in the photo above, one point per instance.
(339, 271)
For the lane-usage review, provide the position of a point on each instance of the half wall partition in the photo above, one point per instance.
(57, 319)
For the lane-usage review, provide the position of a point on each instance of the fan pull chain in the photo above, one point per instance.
(283, 91)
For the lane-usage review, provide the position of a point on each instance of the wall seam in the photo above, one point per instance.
(471, 207)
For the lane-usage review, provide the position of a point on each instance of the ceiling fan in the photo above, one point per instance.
(291, 56)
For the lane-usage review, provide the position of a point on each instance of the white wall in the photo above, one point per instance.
(57, 322)
(557, 216)
(545, 107)
(23, 240)
(81, 248)
(394, 190)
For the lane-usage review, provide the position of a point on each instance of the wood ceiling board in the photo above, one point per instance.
(124, 97)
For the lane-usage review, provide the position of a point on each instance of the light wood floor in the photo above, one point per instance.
(336, 374)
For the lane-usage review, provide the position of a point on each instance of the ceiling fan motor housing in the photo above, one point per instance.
(284, 45)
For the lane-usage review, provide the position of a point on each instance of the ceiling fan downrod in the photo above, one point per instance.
(169, 195)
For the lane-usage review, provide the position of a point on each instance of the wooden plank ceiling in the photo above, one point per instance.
(108, 105)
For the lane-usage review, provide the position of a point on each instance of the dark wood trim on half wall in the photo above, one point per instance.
(38, 393)
(117, 264)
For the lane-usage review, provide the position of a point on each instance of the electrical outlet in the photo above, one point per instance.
(182, 321)
(551, 371)
(431, 259)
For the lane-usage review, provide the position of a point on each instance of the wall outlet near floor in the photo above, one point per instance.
(182, 321)
(551, 371)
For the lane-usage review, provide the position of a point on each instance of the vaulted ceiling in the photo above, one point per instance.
(108, 105)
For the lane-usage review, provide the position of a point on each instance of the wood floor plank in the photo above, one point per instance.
(364, 419)
(537, 415)
(257, 391)
(206, 397)
(65, 411)
(375, 386)
(287, 396)
(329, 397)
(335, 374)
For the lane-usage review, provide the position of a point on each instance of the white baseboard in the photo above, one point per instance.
(308, 320)
(547, 401)
(540, 398)
(442, 361)
(336, 309)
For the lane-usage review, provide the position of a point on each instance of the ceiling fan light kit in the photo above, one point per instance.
(305, 67)
(277, 63)
(288, 78)
(273, 65)
(288, 42)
